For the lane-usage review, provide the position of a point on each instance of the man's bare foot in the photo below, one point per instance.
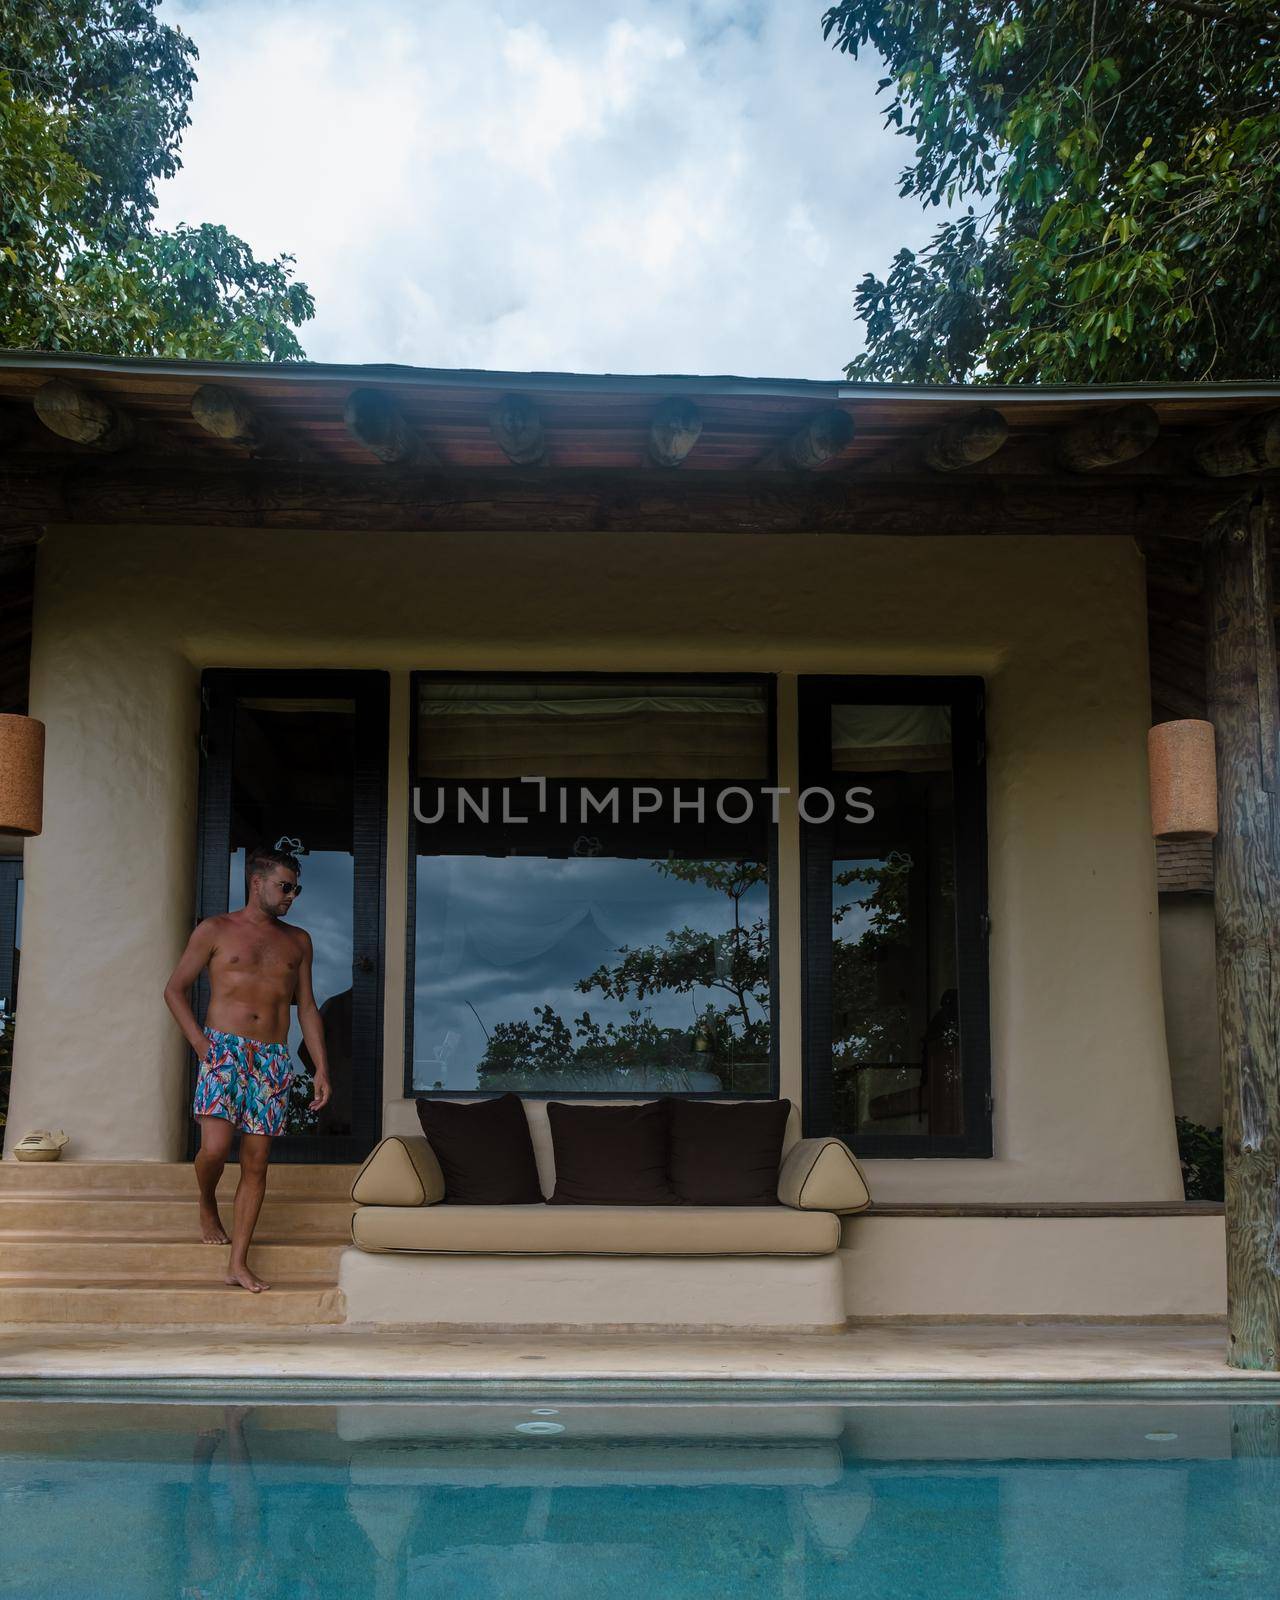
(211, 1229)
(246, 1280)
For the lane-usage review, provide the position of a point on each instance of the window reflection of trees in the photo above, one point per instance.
(893, 1036)
(870, 1012)
(729, 1039)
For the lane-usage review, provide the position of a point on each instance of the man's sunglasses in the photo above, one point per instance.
(295, 889)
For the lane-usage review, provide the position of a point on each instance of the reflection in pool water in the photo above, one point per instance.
(445, 1499)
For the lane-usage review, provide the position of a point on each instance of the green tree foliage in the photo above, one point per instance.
(1200, 1154)
(734, 1034)
(1120, 164)
(94, 96)
(871, 933)
(877, 1030)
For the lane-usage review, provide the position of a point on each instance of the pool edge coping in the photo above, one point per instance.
(1245, 1387)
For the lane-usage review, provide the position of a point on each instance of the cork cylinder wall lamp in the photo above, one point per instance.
(21, 775)
(1184, 782)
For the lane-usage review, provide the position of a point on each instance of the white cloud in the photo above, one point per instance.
(624, 186)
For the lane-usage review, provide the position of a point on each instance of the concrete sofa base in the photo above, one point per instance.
(770, 1294)
(954, 1268)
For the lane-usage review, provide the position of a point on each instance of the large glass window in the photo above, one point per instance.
(592, 889)
(896, 1046)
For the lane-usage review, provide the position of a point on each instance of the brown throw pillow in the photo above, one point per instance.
(484, 1150)
(611, 1155)
(727, 1155)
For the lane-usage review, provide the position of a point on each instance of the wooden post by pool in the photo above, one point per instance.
(1245, 712)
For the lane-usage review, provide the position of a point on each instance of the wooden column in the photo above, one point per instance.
(1245, 712)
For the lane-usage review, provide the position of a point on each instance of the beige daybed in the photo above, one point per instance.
(417, 1261)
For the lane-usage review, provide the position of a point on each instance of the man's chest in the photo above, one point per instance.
(261, 955)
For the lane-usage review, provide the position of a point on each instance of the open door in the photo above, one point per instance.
(300, 757)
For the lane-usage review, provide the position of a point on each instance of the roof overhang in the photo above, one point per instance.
(107, 439)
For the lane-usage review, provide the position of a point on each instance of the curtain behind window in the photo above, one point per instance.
(606, 729)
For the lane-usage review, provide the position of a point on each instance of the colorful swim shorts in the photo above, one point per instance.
(246, 1082)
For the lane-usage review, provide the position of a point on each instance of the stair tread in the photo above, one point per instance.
(290, 1197)
(72, 1283)
(129, 1170)
(13, 1236)
(167, 1213)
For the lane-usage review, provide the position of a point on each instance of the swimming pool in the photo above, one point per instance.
(786, 1499)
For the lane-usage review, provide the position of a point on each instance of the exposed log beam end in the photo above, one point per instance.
(674, 432)
(224, 415)
(1106, 441)
(74, 413)
(375, 421)
(1249, 446)
(966, 441)
(821, 439)
(516, 424)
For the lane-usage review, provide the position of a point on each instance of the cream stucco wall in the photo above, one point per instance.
(125, 619)
(1118, 1266)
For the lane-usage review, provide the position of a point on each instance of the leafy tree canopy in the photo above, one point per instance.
(94, 96)
(1120, 163)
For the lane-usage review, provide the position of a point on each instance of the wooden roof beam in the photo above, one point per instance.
(970, 439)
(375, 421)
(1252, 445)
(212, 492)
(1107, 440)
(85, 418)
(673, 432)
(516, 424)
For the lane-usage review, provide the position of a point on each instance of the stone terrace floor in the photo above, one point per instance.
(950, 1356)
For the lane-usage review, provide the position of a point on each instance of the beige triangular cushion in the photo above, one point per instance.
(401, 1171)
(822, 1175)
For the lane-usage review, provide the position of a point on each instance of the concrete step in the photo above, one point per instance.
(79, 1216)
(160, 1261)
(290, 1302)
(134, 1178)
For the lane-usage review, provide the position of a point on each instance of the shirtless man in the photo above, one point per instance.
(258, 968)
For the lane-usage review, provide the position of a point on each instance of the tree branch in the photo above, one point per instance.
(1266, 21)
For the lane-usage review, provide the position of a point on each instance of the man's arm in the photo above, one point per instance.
(312, 1027)
(194, 959)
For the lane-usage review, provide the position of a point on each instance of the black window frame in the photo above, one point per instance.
(966, 698)
(766, 681)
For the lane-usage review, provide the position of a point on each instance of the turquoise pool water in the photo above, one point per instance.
(790, 1500)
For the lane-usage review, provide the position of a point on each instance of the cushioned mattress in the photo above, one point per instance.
(543, 1230)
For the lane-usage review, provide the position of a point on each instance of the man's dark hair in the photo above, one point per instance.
(260, 860)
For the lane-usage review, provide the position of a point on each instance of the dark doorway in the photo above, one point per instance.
(300, 759)
(10, 956)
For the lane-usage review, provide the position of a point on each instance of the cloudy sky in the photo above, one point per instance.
(581, 185)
